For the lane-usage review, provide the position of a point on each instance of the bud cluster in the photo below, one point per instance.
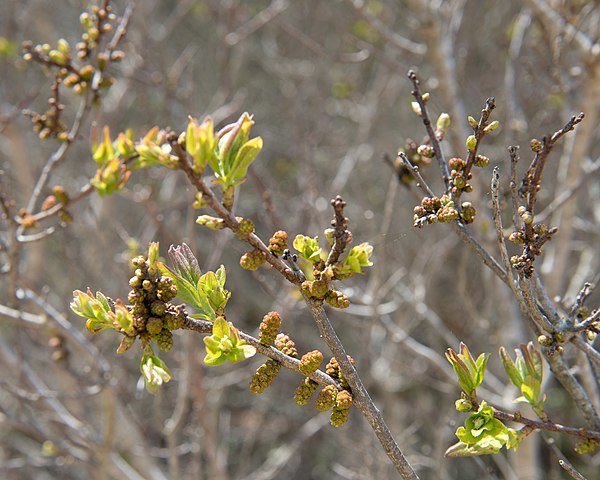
(434, 209)
(333, 370)
(460, 176)
(278, 243)
(304, 391)
(153, 316)
(253, 260)
(264, 376)
(269, 327)
(326, 398)
(310, 362)
(532, 236)
(74, 75)
(337, 299)
(286, 345)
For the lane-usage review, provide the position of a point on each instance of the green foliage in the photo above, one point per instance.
(308, 248)
(470, 372)
(154, 371)
(482, 434)
(96, 310)
(205, 293)
(200, 143)
(234, 152)
(225, 344)
(526, 373)
(358, 257)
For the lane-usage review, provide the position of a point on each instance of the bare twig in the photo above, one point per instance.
(341, 236)
(414, 170)
(437, 148)
(572, 386)
(570, 469)
(495, 187)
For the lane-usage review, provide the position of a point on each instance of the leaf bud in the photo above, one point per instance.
(213, 223)
(481, 161)
(491, 127)
(443, 122)
(471, 143)
(472, 122)
(126, 343)
(463, 405)
(416, 108)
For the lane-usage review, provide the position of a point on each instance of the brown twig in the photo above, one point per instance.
(362, 400)
(229, 219)
(548, 426)
(341, 236)
(204, 326)
(437, 148)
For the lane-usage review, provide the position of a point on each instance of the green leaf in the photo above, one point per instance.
(154, 371)
(241, 352)
(511, 369)
(220, 327)
(245, 157)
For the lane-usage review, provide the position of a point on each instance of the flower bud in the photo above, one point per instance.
(278, 243)
(337, 299)
(310, 362)
(481, 161)
(536, 145)
(269, 327)
(264, 376)
(252, 260)
(304, 391)
(326, 398)
(343, 400)
(338, 417)
(154, 325)
(286, 345)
